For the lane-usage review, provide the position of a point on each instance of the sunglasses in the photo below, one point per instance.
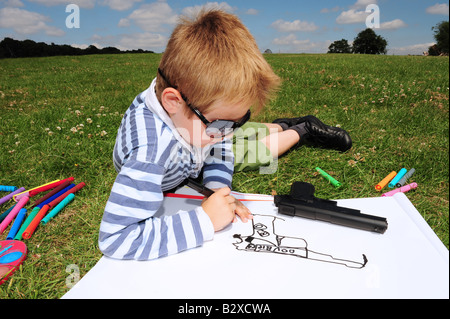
(215, 129)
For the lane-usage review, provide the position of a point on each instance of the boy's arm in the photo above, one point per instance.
(219, 166)
(129, 229)
(218, 173)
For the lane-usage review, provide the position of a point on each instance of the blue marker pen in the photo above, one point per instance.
(399, 176)
(5, 188)
(49, 200)
(15, 227)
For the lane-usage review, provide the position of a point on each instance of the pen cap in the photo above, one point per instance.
(4, 188)
(405, 178)
(11, 195)
(27, 222)
(75, 189)
(329, 178)
(400, 174)
(409, 187)
(17, 223)
(58, 208)
(27, 193)
(60, 187)
(13, 213)
(28, 232)
(6, 213)
(403, 189)
(385, 181)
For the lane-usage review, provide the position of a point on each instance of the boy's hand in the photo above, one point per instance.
(242, 211)
(221, 208)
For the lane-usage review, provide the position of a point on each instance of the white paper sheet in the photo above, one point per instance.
(308, 259)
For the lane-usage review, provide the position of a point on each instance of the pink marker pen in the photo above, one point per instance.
(403, 189)
(13, 213)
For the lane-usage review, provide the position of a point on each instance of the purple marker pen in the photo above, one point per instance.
(9, 196)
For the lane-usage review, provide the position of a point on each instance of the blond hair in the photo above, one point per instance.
(214, 57)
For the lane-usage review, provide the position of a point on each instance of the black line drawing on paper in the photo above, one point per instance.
(264, 239)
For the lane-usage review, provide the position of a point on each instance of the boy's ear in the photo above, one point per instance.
(171, 100)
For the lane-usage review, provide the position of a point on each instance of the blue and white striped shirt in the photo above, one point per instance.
(150, 158)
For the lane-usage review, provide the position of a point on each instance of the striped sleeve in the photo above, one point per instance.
(219, 166)
(129, 229)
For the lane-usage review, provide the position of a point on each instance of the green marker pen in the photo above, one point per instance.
(58, 208)
(329, 178)
(26, 223)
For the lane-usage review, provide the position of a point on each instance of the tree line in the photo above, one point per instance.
(368, 42)
(10, 48)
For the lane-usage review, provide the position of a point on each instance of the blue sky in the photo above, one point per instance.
(283, 26)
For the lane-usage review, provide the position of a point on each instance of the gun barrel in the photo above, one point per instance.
(330, 213)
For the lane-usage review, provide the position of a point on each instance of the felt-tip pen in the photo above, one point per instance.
(199, 188)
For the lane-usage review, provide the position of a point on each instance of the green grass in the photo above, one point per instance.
(59, 117)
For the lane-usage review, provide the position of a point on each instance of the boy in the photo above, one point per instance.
(210, 75)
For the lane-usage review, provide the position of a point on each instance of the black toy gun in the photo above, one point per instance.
(302, 203)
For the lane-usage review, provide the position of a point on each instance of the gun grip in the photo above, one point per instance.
(302, 191)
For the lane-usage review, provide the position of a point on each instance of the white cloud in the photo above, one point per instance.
(352, 16)
(12, 3)
(85, 46)
(124, 22)
(288, 40)
(415, 49)
(292, 44)
(191, 11)
(26, 22)
(54, 31)
(362, 4)
(253, 12)
(120, 5)
(438, 8)
(326, 10)
(87, 4)
(393, 25)
(356, 13)
(359, 5)
(145, 41)
(297, 25)
(132, 41)
(151, 17)
(79, 46)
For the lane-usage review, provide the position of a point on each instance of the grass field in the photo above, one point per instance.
(59, 117)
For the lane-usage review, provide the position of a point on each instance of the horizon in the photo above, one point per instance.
(287, 27)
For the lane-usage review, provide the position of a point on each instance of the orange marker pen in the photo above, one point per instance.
(385, 181)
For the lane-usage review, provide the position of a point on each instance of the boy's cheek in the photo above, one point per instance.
(198, 134)
(201, 141)
(208, 141)
(193, 132)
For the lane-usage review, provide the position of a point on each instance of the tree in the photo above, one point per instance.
(340, 46)
(92, 49)
(441, 36)
(10, 48)
(368, 42)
